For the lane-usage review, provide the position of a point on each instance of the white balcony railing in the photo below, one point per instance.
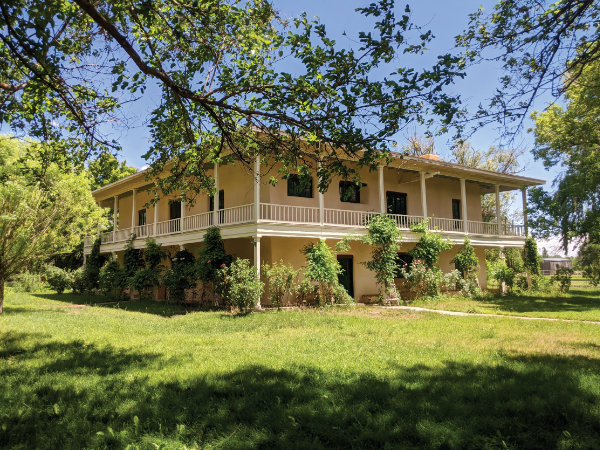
(286, 214)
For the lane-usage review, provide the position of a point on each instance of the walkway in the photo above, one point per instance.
(464, 314)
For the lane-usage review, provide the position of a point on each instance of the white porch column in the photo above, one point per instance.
(257, 188)
(154, 226)
(321, 198)
(463, 204)
(216, 197)
(423, 195)
(182, 206)
(257, 260)
(498, 209)
(115, 216)
(525, 224)
(381, 191)
(133, 210)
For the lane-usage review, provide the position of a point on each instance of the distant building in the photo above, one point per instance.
(550, 265)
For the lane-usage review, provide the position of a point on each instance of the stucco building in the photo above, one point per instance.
(266, 223)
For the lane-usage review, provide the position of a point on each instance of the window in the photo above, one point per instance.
(456, 209)
(211, 201)
(396, 202)
(403, 260)
(174, 213)
(456, 214)
(299, 186)
(350, 191)
(141, 217)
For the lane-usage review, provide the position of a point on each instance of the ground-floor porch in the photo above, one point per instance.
(268, 249)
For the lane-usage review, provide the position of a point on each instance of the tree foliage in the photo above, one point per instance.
(220, 72)
(537, 43)
(43, 211)
(322, 268)
(429, 246)
(384, 237)
(465, 260)
(106, 169)
(503, 160)
(570, 138)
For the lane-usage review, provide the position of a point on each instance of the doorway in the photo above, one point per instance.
(346, 278)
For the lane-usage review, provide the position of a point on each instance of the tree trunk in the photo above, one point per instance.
(1, 295)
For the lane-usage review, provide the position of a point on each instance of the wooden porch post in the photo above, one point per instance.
(423, 195)
(216, 197)
(154, 226)
(133, 210)
(463, 204)
(257, 188)
(182, 206)
(381, 191)
(525, 224)
(321, 199)
(257, 260)
(115, 216)
(498, 210)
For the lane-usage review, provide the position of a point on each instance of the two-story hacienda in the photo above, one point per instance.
(266, 223)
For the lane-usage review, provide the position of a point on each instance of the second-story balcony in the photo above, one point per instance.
(268, 213)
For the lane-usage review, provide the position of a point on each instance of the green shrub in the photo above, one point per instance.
(513, 260)
(563, 278)
(112, 277)
(79, 281)
(28, 282)
(341, 296)
(304, 291)
(58, 279)
(132, 259)
(280, 277)
(181, 275)
(421, 280)
(384, 237)
(531, 257)
(94, 263)
(465, 260)
(143, 280)
(430, 245)
(239, 285)
(503, 274)
(212, 256)
(153, 254)
(322, 268)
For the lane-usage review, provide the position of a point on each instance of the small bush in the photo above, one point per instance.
(341, 296)
(239, 285)
(181, 275)
(112, 278)
(322, 268)
(58, 279)
(503, 274)
(153, 254)
(305, 291)
(421, 280)
(563, 278)
(28, 282)
(280, 277)
(212, 256)
(79, 281)
(429, 246)
(465, 260)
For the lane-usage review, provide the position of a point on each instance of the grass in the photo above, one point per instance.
(142, 374)
(580, 303)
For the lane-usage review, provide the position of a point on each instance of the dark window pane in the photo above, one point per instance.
(403, 260)
(396, 202)
(350, 192)
(299, 186)
(456, 209)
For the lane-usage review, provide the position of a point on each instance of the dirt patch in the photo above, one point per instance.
(70, 306)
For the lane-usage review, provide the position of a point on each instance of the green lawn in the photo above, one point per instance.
(149, 375)
(582, 303)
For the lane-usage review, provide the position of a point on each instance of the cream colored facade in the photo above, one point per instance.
(263, 223)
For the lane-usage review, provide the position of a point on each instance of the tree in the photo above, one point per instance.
(219, 71)
(322, 268)
(537, 43)
(106, 169)
(465, 260)
(496, 159)
(42, 210)
(384, 237)
(570, 137)
(589, 260)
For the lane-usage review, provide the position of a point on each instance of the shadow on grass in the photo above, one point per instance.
(160, 308)
(575, 301)
(57, 395)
